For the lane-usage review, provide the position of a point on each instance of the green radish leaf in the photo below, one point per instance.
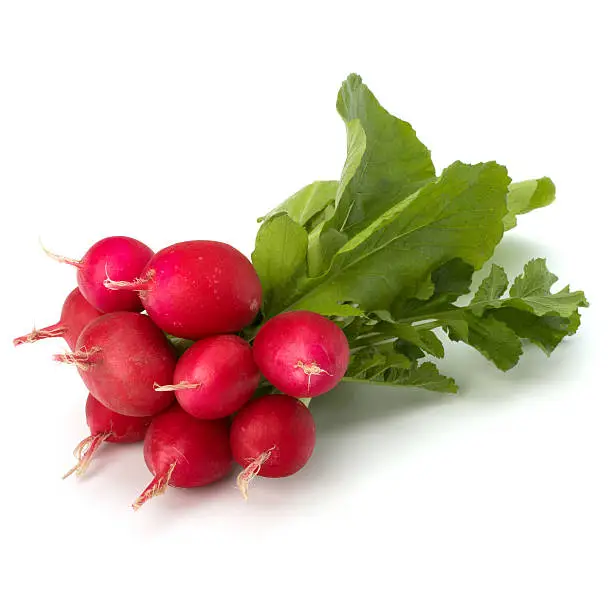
(384, 365)
(458, 216)
(525, 196)
(490, 290)
(279, 258)
(306, 203)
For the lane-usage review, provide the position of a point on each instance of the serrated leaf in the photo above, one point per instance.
(490, 290)
(279, 257)
(383, 365)
(531, 292)
(492, 338)
(545, 332)
(525, 196)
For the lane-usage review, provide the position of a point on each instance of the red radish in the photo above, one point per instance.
(77, 312)
(215, 377)
(272, 436)
(301, 353)
(121, 357)
(198, 288)
(182, 451)
(118, 257)
(106, 426)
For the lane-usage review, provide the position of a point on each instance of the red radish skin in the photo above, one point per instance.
(106, 426)
(301, 353)
(77, 312)
(121, 357)
(215, 377)
(272, 436)
(182, 451)
(198, 288)
(118, 257)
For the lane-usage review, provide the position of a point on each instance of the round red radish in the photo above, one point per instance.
(272, 436)
(301, 353)
(106, 426)
(118, 257)
(121, 357)
(77, 312)
(198, 288)
(215, 377)
(182, 451)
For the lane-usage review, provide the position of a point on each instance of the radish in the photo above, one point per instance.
(182, 451)
(301, 353)
(215, 377)
(272, 436)
(119, 257)
(121, 356)
(106, 426)
(77, 312)
(197, 288)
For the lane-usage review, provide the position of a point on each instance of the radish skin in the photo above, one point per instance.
(272, 436)
(119, 257)
(197, 288)
(77, 312)
(105, 426)
(215, 377)
(182, 451)
(122, 356)
(303, 354)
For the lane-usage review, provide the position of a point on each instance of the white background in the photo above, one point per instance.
(178, 120)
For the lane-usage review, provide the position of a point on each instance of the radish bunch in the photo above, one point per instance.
(234, 395)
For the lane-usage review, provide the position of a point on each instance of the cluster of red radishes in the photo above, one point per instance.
(199, 410)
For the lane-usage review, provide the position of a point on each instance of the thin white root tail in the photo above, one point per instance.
(138, 284)
(250, 471)
(82, 359)
(60, 258)
(84, 452)
(156, 487)
(310, 369)
(178, 387)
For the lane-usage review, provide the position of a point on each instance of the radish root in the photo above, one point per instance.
(250, 471)
(310, 369)
(138, 284)
(81, 358)
(60, 258)
(53, 331)
(84, 452)
(156, 487)
(178, 387)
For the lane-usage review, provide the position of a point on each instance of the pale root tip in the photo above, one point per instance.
(81, 359)
(156, 487)
(84, 452)
(138, 284)
(59, 258)
(178, 387)
(250, 471)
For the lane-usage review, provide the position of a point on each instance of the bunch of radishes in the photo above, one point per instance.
(198, 410)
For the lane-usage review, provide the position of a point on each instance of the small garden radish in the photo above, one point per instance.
(301, 353)
(118, 257)
(197, 288)
(215, 377)
(121, 356)
(182, 451)
(272, 436)
(77, 312)
(106, 426)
